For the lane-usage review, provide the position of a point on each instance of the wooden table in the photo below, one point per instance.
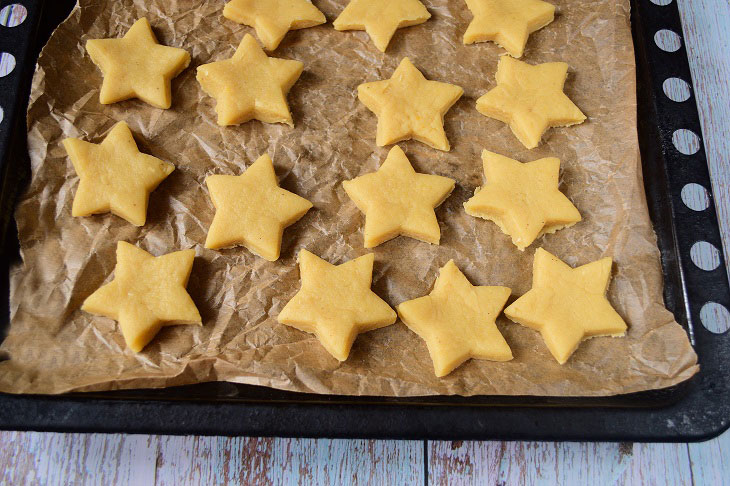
(64, 459)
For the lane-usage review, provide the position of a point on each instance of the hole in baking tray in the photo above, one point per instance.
(7, 63)
(667, 40)
(686, 141)
(715, 317)
(695, 197)
(705, 255)
(13, 15)
(676, 89)
(661, 3)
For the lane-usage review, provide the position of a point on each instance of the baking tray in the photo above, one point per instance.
(694, 410)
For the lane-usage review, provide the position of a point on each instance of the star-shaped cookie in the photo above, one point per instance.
(567, 305)
(410, 106)
(507, 22)
(272, 19)
(530, 99)
(136, 66)
(523, 199)
(250, 85)
(114, 175)
(397, 200)
(147, 293)
(381, 18)
(457, 321)
(335, 303)
(252, 210)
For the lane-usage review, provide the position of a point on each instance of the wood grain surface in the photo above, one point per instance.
(95, 459)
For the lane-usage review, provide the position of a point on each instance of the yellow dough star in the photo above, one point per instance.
(522, 199)
(136, 66)
(507, 22)
(147, 293)
(252, 210)
(567, 305)
(410, 106)
(335, 303)
(381, 18)
(272, 19)
(114, 175)
(250, 85)
(457, 321)
(397, 200)
(530, 99)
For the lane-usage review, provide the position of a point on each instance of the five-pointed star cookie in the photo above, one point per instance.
(530, 99)
(567, 305)
(410, 106)
(147, 293)
(381, 18)
(136, 66)
(457, 320)
(397, 200)
(252, 210)
(336, 303)
(114, 175)
(523, 199)
(272, 19)
(507, 22)
(250, 85)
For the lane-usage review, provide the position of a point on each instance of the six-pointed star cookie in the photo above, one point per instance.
(410, 106)
(523, 199)
(136, 66)
(114, 175)
(250, 85)
(381, 18)
(252, 210)
(272, 19)
(507, 22)
(398, 201)
(567, 305)
(336, 303)
(530, 99)
(457, 320)
(147, 293)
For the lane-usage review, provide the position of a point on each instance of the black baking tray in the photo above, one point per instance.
(694, 410)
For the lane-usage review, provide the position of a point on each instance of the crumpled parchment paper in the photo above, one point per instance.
(53, 347)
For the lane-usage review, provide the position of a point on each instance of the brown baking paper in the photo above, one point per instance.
(53, 347)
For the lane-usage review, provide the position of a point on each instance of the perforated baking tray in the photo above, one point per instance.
(682, 215)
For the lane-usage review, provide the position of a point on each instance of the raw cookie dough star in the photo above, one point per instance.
(522, 199)
(410, 106)
(381, 18)
(457, 321)
(272, 19)
(397, 200)
(136, 66)
(114, 175)
(336, 303)
(250, 85)
(147, 293)
(530, 99)
(567, 305)
(252, 210)
(507, 22)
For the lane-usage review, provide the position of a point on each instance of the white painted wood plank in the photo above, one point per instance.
(79, 459)
(94, 459)
(218, 460)
(711, 461)
(550, 463)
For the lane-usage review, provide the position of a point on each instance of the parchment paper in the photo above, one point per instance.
(53, 347)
